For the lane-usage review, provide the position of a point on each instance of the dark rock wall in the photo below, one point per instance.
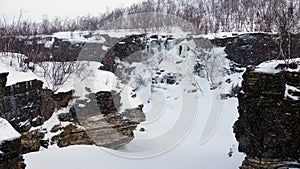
(122, 49)
(246, 49)
(27, 103)
(11, 158)
(268, 127)
(61, 49)
(3, 79)
(137, 47)
(253, 49)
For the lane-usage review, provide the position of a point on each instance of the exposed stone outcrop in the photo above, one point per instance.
(72, 134)
(3, 79)
(31, 141)
(50, 48)
(10, 158)
(266, 163)
(62, 98)
(252, 49)
(137, 47)
(27, 104)
(121, 50)
(268, 128)
(98, 122)
(21, 105)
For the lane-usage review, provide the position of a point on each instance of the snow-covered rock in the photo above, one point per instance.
(7, 132)
(268, 127)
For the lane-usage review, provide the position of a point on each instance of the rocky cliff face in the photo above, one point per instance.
(27, 104)
(10, 158)
(268, 128)
(100, 123)
(121, 50)
(252, 49)
(50, 48)
(137, 47)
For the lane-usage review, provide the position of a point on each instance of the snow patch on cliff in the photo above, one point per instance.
(7, 132)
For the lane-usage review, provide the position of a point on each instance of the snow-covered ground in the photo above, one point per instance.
(88, 74)
(187, 154)
(11, 63)
(269, 66)
(223, 35)
(7, 132)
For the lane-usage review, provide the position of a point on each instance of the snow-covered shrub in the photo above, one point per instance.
(16, 60)
(57, 73)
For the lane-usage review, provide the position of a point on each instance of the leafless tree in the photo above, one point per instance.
(58, 73)
(286, 21)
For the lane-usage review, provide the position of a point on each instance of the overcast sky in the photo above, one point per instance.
(36, 9)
